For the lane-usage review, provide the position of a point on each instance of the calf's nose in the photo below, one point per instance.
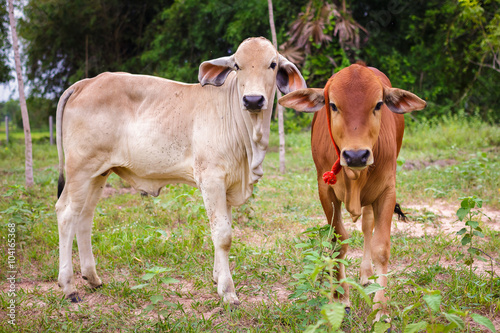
(253, 102)
(356, 158)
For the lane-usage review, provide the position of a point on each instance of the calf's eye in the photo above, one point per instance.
(378, 106)
(273, 65)
(236, 67)
(333, 107)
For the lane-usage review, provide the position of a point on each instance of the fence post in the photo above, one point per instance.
(51, 127)
(7, 129)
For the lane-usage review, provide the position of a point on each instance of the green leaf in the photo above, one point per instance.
(165, 313)
(453, 318)
(139, 286)
(473, 251)
(473, 224)
(156, 298)
(462, 213)
(170, 304)
(334, 313)
(411, 328)
(483, 321)
(316, 271)
(340, 290)
(169, 280)
(359, 288)
(436, 327)
(374, 287)
(149, 308)
(157, 270)
(466, 239)
(411, 307)
(458, 312)
(467, 203)
(371, 317)
(148, 276)
(433, 301)
(449, 328)
(327, 244)
(478, 233)
(301, 245)
(342, 261)
(381, 327)
(312, 328)
(162, 232)
(461, 231)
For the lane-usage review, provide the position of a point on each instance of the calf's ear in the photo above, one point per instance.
(402, 101)
(288, 78)
(215, 71)
(304, 100)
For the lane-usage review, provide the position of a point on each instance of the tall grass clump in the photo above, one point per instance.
(449, 134)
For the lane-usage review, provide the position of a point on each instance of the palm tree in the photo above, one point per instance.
(310, 28)
(22, 99)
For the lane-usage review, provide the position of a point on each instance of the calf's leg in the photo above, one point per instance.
(68, 209)
(367, 223)
(84, 232)
(75, 210)
(67, 214)
(219, 214)
(381, 245)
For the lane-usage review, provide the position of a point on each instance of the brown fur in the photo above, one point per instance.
(358, 125)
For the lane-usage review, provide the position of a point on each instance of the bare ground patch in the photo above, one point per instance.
(109, 191)
(444, 221)
(421, 164)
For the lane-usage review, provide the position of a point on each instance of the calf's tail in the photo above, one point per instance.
(401, 215)
(59, 117)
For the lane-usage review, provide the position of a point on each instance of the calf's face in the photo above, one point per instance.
(259, 69)
(355, 99)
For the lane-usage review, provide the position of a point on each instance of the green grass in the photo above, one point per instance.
(454, 157)
(133, 234)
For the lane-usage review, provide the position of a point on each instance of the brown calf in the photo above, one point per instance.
(357, 133)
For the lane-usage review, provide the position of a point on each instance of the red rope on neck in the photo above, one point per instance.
(330, 177)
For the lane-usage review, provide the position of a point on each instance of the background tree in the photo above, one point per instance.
(323, 39)
(11, 109)
(160, 37)
(432, 47)
(191, 31)
(445, 51)
(22, 99)
(61, 33)
(5, 46)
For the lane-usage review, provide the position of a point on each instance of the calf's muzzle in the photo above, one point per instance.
(253, 102)
(356, 158)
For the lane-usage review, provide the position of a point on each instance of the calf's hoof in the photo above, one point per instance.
(96, 287)
(74, 298)
(93, 281)
(231, 299)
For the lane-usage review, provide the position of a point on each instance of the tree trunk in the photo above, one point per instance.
(279, 108)
(22, 99)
